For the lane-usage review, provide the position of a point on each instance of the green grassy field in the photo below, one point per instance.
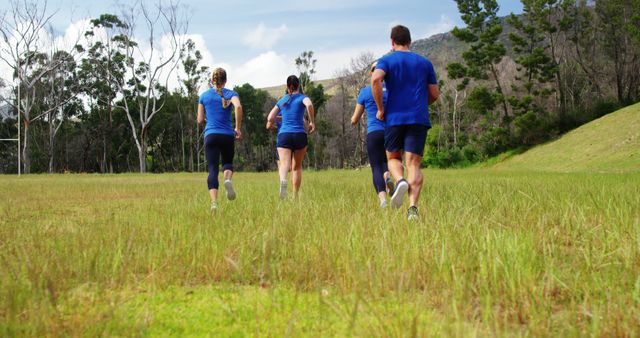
(608, 144)
(496, 253)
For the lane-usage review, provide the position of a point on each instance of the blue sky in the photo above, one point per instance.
(258, 40)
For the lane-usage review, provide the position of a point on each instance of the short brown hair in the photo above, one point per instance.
(400, 35)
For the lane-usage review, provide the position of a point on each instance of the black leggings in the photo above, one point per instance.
(377, 159)
(216, 145)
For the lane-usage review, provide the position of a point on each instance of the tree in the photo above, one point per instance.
(306, 65)
(23, 32)
(256, 147)
(102, 73)
(583, 36)
(351, 80)
(194, 77)
(486, 51)
(150, 69)
(619, 25)
(60, 98)
(533, 47)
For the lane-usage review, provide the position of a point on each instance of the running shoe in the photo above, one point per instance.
(214, 207)
(390, 185)
(231, 194)
(283, 190)
(401, 189)
(412, 214)
(384, 204)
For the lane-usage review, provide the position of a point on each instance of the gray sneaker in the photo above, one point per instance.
(412, 214)
(391, 187)
(231, 194)
(401, 189)
(283, 190)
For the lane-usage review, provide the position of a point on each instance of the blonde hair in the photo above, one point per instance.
(218, 79)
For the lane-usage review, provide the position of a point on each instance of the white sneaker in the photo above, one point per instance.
(214, 207)
(231, 194)
(384, 204)
(283, 190)
(401, 188)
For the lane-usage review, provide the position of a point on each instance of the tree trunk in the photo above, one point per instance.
(142, 151)
(26, 151)
(191, 144)
(109, 151)
(51, 143)
(499, 86)
(142, 158)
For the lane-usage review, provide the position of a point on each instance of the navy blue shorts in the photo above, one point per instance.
(293, 141)
(408, 137)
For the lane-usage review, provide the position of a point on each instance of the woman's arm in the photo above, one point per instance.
(238, 107)
(201, 115)
(271, 118)
(312, 124)
(357, 114)
(376, 88)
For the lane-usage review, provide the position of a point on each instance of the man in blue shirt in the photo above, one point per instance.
(411, 85)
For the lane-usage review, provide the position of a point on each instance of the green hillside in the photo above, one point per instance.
(608, 144)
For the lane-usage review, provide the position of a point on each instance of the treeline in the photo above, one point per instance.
(564, 63)
(105, 103)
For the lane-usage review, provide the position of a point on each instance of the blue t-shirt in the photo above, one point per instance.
(292, 113)
(218, 118)
(366, 99)
(408, 76)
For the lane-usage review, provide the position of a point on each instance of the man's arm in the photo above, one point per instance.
(434, 93)
(376, 88)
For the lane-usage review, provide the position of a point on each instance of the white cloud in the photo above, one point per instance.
(264, 37)
(444, 25)
(265, 70)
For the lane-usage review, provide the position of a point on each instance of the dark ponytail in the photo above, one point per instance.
(293, 84)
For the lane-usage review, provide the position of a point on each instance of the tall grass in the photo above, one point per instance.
(494, 253)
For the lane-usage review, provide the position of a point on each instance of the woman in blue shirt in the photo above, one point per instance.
(214, 110)
(292, 136)
(375, 142)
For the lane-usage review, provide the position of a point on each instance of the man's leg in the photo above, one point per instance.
(414, 175)
(415, 140)
(394, 162)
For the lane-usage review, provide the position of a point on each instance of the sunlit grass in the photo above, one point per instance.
(494, 253)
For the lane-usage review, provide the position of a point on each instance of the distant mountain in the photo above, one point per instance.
(441, 49)
(445, 48)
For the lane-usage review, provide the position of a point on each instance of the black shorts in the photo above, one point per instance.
(293, 141)
(408, 137)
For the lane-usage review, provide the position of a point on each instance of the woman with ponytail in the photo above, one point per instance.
(292, 136)
(214, 110)
(382, 180)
